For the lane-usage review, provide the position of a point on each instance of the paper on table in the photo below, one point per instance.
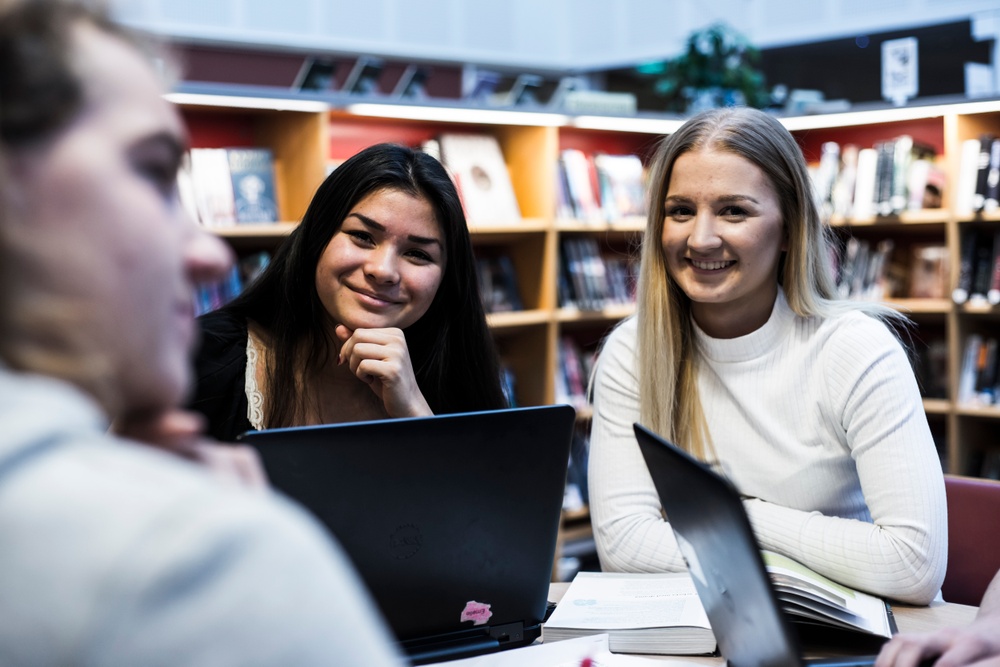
(568, 653)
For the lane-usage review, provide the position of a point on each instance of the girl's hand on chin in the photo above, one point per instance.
(380, 358)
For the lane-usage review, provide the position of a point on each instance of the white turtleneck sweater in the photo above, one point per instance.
(819, 422)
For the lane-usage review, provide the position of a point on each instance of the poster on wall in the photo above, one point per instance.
(899, 70)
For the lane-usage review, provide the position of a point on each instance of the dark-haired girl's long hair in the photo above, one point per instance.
(452, 351)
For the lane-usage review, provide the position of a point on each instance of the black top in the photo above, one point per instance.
(220, 375)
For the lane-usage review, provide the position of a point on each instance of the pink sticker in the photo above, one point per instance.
(477, 612)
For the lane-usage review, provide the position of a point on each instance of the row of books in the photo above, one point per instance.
(573, 376)
(979, 268)
(978, 187)
(881, 270)
(498, 285)
(214, 295)
(221, 187)
(979, 380)
(592, 280)
(893, 176)
(599, 188)
(862, 271)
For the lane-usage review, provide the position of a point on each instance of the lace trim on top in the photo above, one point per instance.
(255, 400)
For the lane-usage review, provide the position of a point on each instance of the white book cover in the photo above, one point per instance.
(477, 164)
(213, 187)
(968, 173)
(642, 613)
(864, 184)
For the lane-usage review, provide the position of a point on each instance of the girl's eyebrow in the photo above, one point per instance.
(371, 224)
(725, 199)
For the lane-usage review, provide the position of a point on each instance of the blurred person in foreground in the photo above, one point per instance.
(141, 544)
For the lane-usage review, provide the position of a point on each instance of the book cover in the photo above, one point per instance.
(252, 171)
(477, 164)
(213, 187)
(626, 191)
(992, 194)
(929, 271)
(968, 173)
(580, 186)
(842, 196)
(864, 185)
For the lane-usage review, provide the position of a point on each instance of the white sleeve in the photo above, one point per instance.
(629, 528)
(902, 554)
(238, 583)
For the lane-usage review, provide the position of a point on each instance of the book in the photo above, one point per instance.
(810, 599)
(498, 284)
(656, 613)
(623, 192)
(476, 162)
(580, 179)
(213, 187)
(982, 172)
(929, 271)
(864, 183)
(991, 199)
(969, 370)
(968, 172)
(966, 268)
(982, 267)
(931, 368)
(252, 171)
(993, 293)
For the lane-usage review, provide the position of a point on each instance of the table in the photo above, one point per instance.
(908, 619)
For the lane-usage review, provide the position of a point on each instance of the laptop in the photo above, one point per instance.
(451, 520)
(718, 544)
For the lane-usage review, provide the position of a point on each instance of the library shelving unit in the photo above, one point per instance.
(307, 133)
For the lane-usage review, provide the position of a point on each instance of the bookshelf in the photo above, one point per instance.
(306, 141)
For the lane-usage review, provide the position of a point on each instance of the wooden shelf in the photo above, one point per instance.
(305, 134)
(275, 231)
(518, 318)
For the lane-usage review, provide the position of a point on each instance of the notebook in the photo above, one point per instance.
(451, 520)
(718, 544)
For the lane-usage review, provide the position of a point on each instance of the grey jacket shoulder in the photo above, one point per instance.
(126, 555)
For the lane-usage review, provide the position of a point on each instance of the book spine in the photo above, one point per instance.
(967, 176)
(965, 267)
(983, 267)
(982, 172)
(992, 198)
(970, 362)
(902, 149)
(993, 294)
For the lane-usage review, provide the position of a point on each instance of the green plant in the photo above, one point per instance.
(718, 68)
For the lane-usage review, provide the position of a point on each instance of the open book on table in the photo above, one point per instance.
(642, 613)
(809, 598)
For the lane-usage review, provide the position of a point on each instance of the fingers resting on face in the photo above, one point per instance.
(381, 359)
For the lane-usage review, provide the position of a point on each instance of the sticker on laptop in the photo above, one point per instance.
(477, 612)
